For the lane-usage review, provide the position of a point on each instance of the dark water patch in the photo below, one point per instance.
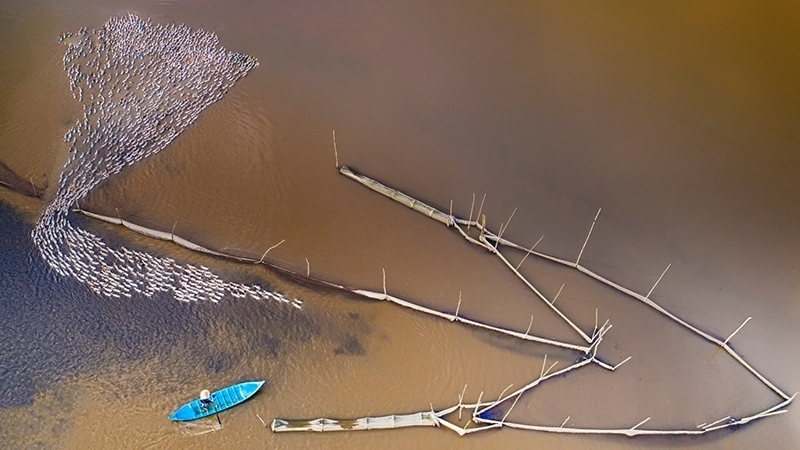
(53, 328)
(220, 362)
(16, 183)
(61, 426)
(357, 322)
(350, 346)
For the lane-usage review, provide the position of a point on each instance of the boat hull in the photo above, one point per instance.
(223, 399)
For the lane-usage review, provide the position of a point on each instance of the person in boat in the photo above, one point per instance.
(206, 399)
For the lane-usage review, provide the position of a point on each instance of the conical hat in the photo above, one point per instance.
(204, 394)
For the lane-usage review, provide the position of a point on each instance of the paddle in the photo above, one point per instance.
(218, 421)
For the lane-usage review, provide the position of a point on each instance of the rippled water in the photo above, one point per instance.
(679, 120)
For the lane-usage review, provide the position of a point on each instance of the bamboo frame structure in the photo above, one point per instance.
(494, 242)
(482, 412)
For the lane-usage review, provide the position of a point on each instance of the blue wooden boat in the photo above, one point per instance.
(223, 399)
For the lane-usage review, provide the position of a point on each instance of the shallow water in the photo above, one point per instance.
(678, 121)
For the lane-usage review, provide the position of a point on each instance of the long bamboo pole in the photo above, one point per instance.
(360, 292)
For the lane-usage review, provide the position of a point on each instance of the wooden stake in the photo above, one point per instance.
(497, 241)
(496, 402)
(458, 307)
(550, 368)
(265, 253)
(557, 294)
(623, 362)
(529, 252)
(717, 421)
(544, 362)
(385, 296)
(737, 330)
(564, 422)
(469, 223)
(578, 261)
(659, 279)
(308, 269)
(460, 401)
(451, 213)
(335, 153)
(503, 228)
(529, 326)
(639, 424)
(481, 208)
(512, 407)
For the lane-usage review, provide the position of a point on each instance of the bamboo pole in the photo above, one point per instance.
(449, 317)
(558, 293)
(503, 227)
(578, 261)
(461, 401)
(265, 253)
(398, 196)
(528, 253)
(480, 209)
(458, 307)
(737, 330)
(470, 209)
(335, 152)
(658, 280)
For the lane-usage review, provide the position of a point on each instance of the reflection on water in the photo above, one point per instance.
(678, 119)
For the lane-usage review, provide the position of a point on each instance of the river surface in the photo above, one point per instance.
(679, 119)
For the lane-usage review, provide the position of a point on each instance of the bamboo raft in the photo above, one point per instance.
(421, 419)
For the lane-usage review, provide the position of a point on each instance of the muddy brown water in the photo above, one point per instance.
(678, 119)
